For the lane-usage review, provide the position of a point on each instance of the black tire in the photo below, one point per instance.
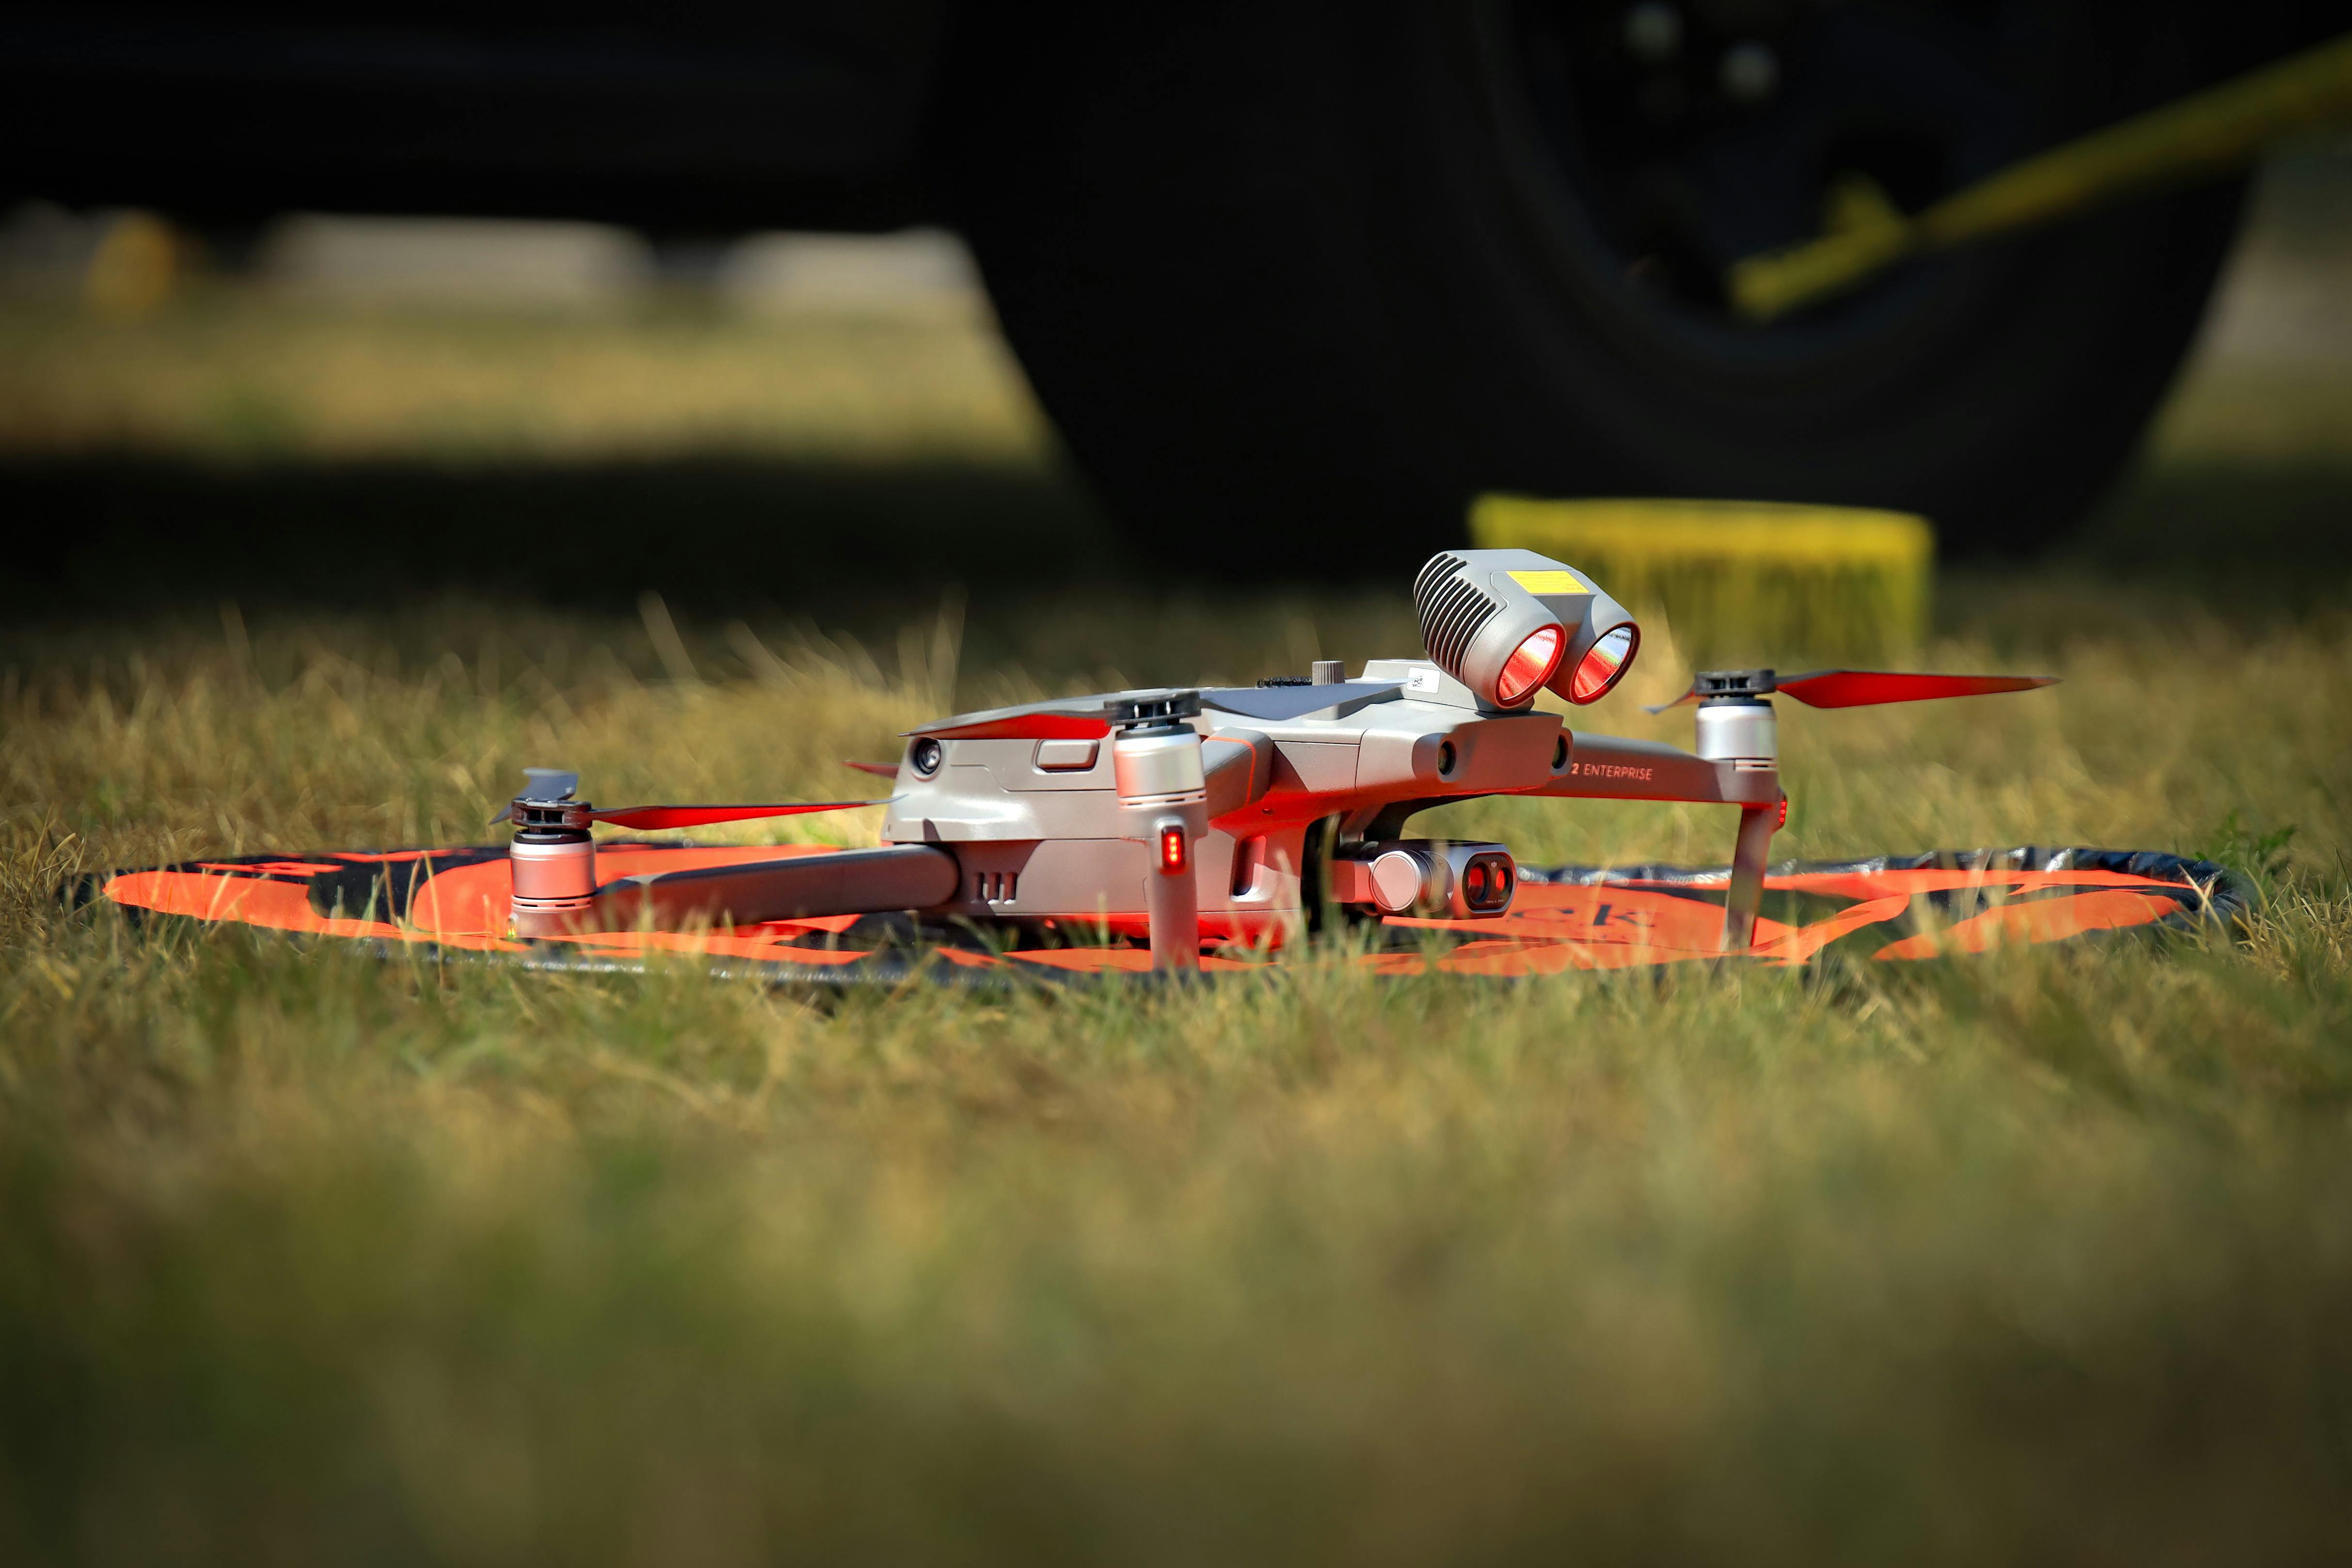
(1297, 280)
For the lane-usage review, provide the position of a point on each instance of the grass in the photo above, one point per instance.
(305, 1257)
(231, 375)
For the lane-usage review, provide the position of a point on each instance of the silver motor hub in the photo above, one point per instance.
(552, 860)
(1155, 752)
(1735, 723)
(1744, 733)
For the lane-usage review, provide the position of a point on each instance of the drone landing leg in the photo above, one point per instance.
(1172, 899)
(1746, 892)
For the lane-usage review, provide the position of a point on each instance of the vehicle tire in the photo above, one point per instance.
(1297, 279)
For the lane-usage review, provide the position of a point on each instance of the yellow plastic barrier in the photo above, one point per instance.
(1741, 581)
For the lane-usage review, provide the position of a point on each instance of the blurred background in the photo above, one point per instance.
(393, 397)
(897, 297)
(358, 411)
(355, 409)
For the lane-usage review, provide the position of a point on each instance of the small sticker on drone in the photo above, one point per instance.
(1421, 680)
(1549, 583)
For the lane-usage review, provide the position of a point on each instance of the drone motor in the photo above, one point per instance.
(554, 855)
(552, 860)
(1735, 719)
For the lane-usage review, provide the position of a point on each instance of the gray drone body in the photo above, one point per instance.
(1041, 833)
(1217, 815)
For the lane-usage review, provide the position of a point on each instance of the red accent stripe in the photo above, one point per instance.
(1029, 726)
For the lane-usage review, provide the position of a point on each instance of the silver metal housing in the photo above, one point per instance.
(554, 875)
(1744, 734)
(1157, 767)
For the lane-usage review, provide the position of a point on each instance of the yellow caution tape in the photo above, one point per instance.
(2203, 134)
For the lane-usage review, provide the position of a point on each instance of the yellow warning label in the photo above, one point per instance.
(1549, 583)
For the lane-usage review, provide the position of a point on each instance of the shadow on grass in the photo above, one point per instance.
(2267, 532)
(715, 534)
(742, 535)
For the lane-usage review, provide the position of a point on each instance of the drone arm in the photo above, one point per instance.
(849, 882)
(1609, 767)
(1239, 767)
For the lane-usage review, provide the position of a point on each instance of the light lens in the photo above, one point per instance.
(1598, 670)
(1530, 666)
(1173, 851)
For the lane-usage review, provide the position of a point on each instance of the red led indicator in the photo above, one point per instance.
(1174, 852)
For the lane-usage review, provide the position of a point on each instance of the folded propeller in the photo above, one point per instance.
(547, 801)
(1848, 688)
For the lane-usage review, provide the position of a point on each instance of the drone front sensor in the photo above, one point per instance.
(1507, 624)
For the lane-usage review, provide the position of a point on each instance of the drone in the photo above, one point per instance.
(1198, 817)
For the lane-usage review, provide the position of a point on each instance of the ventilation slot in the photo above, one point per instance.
(1453, 612)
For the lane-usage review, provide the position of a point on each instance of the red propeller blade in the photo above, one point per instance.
(1028, 727)
(654, 818)
(879, 770)
(1854, 688)
(1058, 718)
(1863, 688)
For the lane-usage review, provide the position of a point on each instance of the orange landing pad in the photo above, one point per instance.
(1890, 909)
